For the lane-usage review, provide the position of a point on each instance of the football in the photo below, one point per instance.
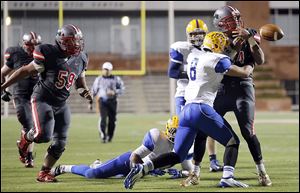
(271, 32)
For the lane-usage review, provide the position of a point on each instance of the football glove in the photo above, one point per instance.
(85, 94)
(174, 173)
(157, 172)
(6, 96)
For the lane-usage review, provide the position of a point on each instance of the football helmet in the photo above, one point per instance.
(30, 40)
(195, 32)
(171, 127)
(227, 19)
(69, 38)
(215, 41)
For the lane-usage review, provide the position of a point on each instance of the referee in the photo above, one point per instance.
(107, 88)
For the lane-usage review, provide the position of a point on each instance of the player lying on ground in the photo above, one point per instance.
(155, 143)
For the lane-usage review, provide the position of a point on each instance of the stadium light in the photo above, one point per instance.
(125, 20)
(7, 21)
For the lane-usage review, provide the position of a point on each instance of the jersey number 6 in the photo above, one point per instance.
(193, 69)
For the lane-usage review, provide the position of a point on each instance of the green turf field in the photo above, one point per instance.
(278, 134)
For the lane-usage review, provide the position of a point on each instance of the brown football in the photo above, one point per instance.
(271, 32)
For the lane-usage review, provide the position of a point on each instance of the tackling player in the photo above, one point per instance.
(237, 93)
(155, 143)
(179, 51)
(206, 68)
(60, 66)
(16, 57)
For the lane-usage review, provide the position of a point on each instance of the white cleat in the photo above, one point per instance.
(264, 180)
(96, 164)
(230, 182)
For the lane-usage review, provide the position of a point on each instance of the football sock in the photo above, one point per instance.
(148, 166)
(261, 168)
(212, 157)
(197, 170)
(67, 168)
(228, 172)
(44, 168)
(29, 155)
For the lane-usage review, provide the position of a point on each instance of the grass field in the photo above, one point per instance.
(278, 134)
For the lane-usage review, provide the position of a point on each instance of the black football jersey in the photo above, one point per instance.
(244, 57)
(16, 57)
(60, 72)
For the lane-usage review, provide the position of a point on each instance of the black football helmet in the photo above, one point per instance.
(227, 19)
(30, 40)
(70, 40)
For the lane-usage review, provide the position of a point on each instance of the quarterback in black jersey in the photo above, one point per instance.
(237, 94)
(60, 66)
(16, 57)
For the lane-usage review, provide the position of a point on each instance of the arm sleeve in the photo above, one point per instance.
(148, 141)
(120, 86)
(9, 57)
(176, 60)
(39, 59)
(223, 65)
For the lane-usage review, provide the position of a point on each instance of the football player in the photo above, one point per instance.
(60, 66)
(237, 93)
(206, 68)
(16, 57)
(195, 32)
(155, 143)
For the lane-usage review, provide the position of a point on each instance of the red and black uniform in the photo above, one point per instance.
(16, 57)
(51, 114)
(238, 95)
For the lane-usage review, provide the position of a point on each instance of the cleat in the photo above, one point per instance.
(22, 145)
(135, 174)
(96, 164)
(22, 156)
(193, 179)
(58, 170)
(29, 163)
(264, 180)
(231, 182)
(46, 176)
(215, 166)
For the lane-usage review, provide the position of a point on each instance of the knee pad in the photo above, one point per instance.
(55, 150)
(89, 173)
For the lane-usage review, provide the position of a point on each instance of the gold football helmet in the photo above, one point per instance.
(216, 41)
(171, 127)
(196, 31)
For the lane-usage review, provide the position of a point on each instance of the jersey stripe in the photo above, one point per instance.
(38, 130)
(76, 29)
(38, 55)
(7, 55)
(33, 35)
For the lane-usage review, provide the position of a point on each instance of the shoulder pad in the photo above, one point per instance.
(12, 50)
(85, 57)
(181, 45)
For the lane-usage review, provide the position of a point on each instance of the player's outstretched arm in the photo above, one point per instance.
(237, 71)
(20, 74)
